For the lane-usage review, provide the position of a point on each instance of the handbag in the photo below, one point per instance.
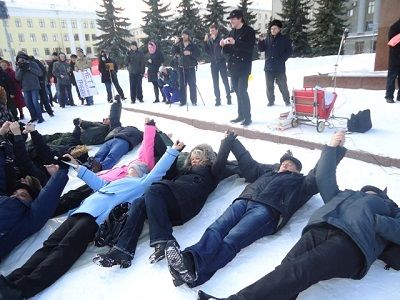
(360, 122)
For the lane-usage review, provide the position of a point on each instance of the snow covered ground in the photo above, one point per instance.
(86, 280)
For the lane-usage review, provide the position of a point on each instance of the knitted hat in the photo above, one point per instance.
(32, 186)
(134, 43)
(379, 192)
(54, 54)
(140, 168)
(288, 156)
(23, 55)
(186, 31)
(277, 23)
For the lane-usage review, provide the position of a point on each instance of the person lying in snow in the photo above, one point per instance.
(65, 245)
(274, 194)
(341, 240)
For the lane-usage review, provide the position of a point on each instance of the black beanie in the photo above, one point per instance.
(276, 23)
(288, 156)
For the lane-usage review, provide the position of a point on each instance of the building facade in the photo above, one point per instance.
(40, 30)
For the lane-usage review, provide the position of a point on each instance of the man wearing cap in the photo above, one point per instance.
(136, 63)
(341, 240)
(239, 46)
(187, 53)
(277, 48)
(274, 194)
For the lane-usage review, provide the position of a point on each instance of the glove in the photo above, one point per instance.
(61, 164)
(76, 122)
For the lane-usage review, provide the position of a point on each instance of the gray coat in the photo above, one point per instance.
(62, 68)
(29, 78)
(371, 221)
(135, 61)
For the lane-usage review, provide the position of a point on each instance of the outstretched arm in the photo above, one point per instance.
(219, 165)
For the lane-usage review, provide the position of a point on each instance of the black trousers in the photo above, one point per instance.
(135, 83)
(157, 90)
(281, 81)
(321, 254)
(55, 258)
(72, 199)
(187, 76)
(216, 70)
(240, 83)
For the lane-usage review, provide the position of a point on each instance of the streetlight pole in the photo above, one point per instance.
(4, 16)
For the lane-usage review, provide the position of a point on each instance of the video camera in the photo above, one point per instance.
(23, 65)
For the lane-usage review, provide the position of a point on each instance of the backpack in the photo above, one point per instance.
(108, 232)
(360, 122)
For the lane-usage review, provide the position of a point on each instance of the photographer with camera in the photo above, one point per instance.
(108, 69)
(188, 53)
(28, 73)
(136, 64)
(218, 63)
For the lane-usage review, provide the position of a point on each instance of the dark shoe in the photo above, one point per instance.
(218, 104)
(177, 262)
(182, 104)
(156, 101)
(203, 296)
(194, 104)
(95, 166)
(113, 257)
(51, 114)
(229, 102)
(246, 122)
(270, 104)
(388, 100)
(40, 121)
(287, 103)
(21, 117)
(133, 101)
(88, 104)
(159, 253)
(32, 120)
(123, 98)
(73, 104)
(141, 100)
(237, 120)
(176, 278)
(110, 100)
(168, 102)
(7, 291)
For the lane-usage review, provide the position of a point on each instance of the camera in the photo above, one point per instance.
(23, 65)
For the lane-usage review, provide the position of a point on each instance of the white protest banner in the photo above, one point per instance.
(85, 83)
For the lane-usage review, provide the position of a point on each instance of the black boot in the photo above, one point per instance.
(158, 254)
(237, 120)
(181, 263)
(8, 291)
(114, 257)
(229, 101)
(203, 296)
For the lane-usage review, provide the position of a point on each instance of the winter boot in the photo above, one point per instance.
(114, 257)
(203, 296)
(159, 253)
(184, 265)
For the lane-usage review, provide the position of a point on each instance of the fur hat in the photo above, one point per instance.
(3, 96)
(33, 186)
(207, 153)
(288, 156)
(379, 192)
(276, 22)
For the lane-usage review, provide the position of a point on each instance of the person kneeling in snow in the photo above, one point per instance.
(69, 241)
(168, 81)
(341, 240)
(274, 194)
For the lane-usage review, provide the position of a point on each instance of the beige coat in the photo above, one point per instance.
(83, 63)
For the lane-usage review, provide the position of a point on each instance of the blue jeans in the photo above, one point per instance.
(240, 225)
(110, 152)
(32, 101)
(172, 94)
(391, 84)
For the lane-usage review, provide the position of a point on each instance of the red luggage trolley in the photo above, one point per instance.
(309, 107)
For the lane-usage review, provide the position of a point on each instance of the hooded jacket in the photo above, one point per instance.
(29, 77)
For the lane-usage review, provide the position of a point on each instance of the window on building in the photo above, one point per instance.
(359, 47)
(374, 46)
(52, 23)
(46, 51)
(87, 37)
(21, 37)
(369, 26)
(41, 23)
(76, 37)
(32, 37)
(88, 50)
(29, 22)
(55, 37)
(44, 37)
(74, 24)
(68, 50)
(63, 24)
(91, 24)
(85, 25)
(35, 51)
(371, 7)
(93, 37)
(66, 37)
(17, 22)
(350, 12)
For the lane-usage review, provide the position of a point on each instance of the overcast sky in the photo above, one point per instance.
(133, 8)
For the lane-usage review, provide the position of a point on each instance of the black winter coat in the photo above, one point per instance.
(394, 52)
(135, 62)
(369, 220)
(214, 50)
(105, 74)
(186, 61)
(157, 59)
(277, 50)
(240, 54)
(285, 192)
(129, 133)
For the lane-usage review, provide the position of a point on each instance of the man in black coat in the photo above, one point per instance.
(108, 69)
(277, 48)
(136, 64)
(239, 46)
(394, 65)
(187, 53)
(341, 240)
(218, 63)
(274, 194)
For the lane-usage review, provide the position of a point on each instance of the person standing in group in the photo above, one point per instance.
(239, 46)
(278, 48)
(136, 64)
(394, 63)
(83, 62)
(108, 69)
(154, 62)
(62, 71)
(218, 63)
(28, 73)
(72, 63)
(54, 58)
(187, 51)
